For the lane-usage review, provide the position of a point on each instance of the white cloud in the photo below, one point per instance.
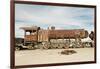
(61, 17)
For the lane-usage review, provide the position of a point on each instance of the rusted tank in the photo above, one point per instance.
(66, 34)
(46, 35)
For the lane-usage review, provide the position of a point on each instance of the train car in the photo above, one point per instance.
(44, 36)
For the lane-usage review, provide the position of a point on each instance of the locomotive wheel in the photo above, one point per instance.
(41, 47)
(46, 47)
(17, 48)
(59, 47)
(65, 47)
(56, 47)
(50, 47)
(30, 47)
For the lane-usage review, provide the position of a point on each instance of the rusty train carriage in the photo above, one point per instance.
(46, 35)
(40, 35)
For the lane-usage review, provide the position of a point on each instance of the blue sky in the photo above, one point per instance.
(60, 17)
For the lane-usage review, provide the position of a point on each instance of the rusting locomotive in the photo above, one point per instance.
(53, 38)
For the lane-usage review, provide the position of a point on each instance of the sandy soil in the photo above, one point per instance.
(30, 57)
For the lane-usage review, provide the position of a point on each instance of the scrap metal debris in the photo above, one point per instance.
(68, 52)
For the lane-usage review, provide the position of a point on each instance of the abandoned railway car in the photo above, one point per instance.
(35, 37)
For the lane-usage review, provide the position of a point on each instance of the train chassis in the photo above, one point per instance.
(53, 45)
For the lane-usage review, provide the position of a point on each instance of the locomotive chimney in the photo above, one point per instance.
(52, 27)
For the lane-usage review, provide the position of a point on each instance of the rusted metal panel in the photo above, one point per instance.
(68, 33)
(43, 35)
(30, 38)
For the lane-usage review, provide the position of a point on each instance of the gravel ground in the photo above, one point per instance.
(32, 57)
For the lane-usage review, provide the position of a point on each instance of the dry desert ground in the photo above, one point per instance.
(38, 56)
